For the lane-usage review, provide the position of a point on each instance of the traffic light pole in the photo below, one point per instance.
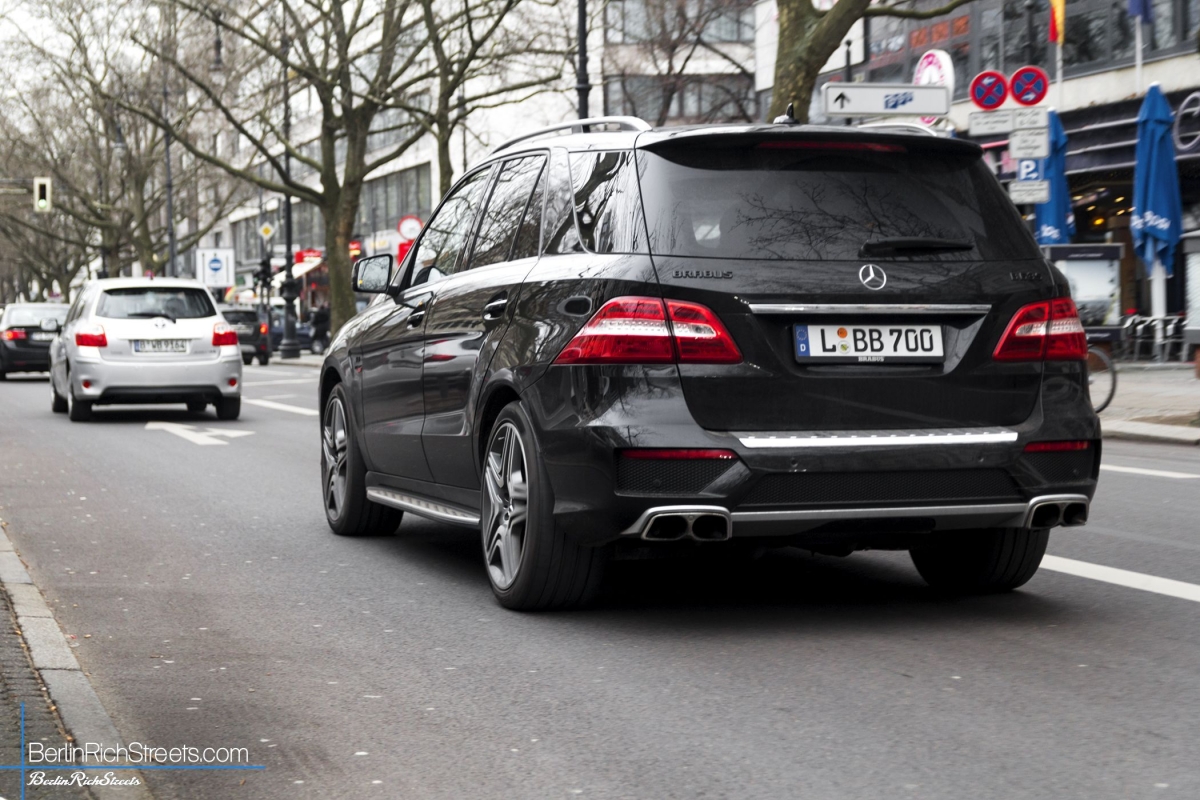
(289, 347)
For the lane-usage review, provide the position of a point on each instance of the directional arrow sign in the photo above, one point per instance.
(886, 99)
(202, 437)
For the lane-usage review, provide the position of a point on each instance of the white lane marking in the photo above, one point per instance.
(202, 437)
(1156, 473)
(1123, 577)
(280, 382)
(308, 412)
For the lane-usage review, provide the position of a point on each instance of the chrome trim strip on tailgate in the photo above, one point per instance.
(421, 506)
(872, 308)
(1017, 510)
(880, 438)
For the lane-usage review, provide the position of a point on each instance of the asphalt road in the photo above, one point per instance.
(222, 611)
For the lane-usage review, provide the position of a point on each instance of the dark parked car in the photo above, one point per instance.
(834, 338)
(303, 331)
(26, 330)
(251, 332)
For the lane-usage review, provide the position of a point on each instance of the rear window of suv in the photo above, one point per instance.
(241, 317)
(149, 302)
(781, 200)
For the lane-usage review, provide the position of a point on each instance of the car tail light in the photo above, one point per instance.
(1056, 447)
(8, 336)
(262, 328)
(679, 454)
(1049, 330)
(646, 330)
(223, 335)
(91, 336)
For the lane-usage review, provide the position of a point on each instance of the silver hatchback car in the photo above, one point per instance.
(135, 340)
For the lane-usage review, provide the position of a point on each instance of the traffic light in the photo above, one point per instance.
(264, 272)
(43, 195)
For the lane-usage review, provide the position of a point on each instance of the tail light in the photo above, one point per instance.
(8, 336)
(646, 330)
(91, 336)
(1049, 331)
(262, 328)
(1057, 447)
(223, 335)
(679, 454)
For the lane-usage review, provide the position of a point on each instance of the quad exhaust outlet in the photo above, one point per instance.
(1054, 510)
(674, 523)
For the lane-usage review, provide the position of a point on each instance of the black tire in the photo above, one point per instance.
(981, 562)
(351, 513)
(263, 359)
(551, 570)
(77, 410)
(3, 375)
(247, 360)
(58, 403)
(228, 408)
(196, 406)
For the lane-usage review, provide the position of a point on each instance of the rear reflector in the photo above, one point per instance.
(1056, 446)
(8, 336)
(91, 336)
(674, 454)
(646, 330)
(223, 335)
(1049, 331)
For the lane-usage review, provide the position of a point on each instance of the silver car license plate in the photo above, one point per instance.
(160, 345)
(40, 336)
(869, 343)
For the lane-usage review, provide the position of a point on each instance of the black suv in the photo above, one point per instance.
(251, 331)
(841, 339)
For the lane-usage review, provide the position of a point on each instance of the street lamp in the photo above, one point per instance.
(289, 346)
(581, 76)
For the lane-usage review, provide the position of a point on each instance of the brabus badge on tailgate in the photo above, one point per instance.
(703, 273)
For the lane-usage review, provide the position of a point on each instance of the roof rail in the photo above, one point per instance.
(910, 127)
(582, 126)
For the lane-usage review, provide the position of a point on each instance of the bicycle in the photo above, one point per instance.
(1102, 378)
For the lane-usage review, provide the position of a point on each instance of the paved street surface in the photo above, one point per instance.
(222, 611)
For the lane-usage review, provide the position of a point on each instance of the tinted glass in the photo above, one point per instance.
(442, 243)
(24, 316)
(606, 202)
(241, 317)
(561, 236)
(529, 235)
(505, 210)
(775, 202)
(150, 302)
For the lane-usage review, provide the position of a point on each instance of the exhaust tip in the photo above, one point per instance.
(710, 528)
(1047, 515)
(1075, 514)
(666, 528)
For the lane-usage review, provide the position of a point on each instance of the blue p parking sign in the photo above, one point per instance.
(215, 264)
(1029, 169)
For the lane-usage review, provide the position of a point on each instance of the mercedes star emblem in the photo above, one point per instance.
(160, 323)
(873, 277)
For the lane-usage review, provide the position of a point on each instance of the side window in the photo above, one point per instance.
(529, 235)
(447, 234)
(503, 216)
(77, 307)
(608, 207)
(561, 236)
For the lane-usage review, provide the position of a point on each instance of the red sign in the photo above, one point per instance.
(989, 90)
(402, 250)
(409, 227)
(308, 255)
(355, 248)
(1029, 85)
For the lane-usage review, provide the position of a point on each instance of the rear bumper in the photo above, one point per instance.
(861, 488)
(24, 358)
(158, 381)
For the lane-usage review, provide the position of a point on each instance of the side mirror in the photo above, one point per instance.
(373, 274)
(51, 324)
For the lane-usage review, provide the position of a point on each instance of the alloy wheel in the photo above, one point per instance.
(507, 505)
(333, 457)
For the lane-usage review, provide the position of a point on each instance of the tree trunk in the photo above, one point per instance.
(445, 170)
(339, 230)
(806, 41)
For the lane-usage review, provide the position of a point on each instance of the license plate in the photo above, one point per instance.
(41, 337)
(869, 343)
(160, 346)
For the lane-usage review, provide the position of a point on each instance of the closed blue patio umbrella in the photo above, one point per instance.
(1157, 219)
(1055, 219)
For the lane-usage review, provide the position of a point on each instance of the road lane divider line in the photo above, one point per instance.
(1154, 473)
(308, 412)
(1123, 577)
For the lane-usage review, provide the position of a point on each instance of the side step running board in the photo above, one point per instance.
(432, 509)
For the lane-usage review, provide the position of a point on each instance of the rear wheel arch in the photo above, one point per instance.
(496, 398)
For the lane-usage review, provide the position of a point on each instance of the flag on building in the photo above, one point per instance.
(1058, 20)
(1142, 9)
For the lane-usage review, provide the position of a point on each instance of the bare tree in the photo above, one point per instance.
(809, 35)
(686, 60)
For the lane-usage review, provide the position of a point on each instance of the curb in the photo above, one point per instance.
(72, 695)
(1150, 432)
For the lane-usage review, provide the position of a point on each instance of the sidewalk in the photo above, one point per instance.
(1154, 402)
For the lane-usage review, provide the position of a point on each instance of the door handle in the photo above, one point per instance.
(416, 317)
(495, 307)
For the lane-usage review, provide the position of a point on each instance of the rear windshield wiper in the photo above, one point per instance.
(150, 315)
(900, 244)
